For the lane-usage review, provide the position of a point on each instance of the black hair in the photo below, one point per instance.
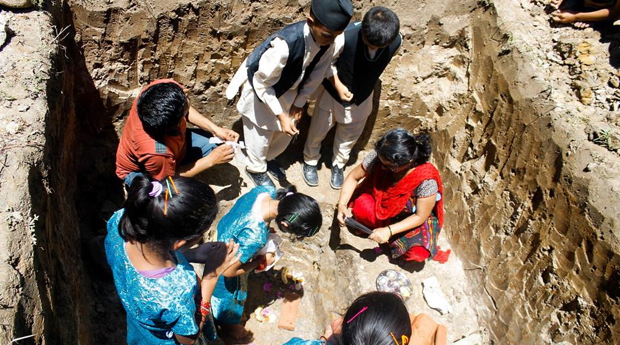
(401, 148)
(300, 212)
(380, 26)
(161, 108)
(187, 215)
(385, 313)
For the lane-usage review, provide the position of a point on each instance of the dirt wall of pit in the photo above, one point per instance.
(537, 234)
(23, 106)
(534, 224)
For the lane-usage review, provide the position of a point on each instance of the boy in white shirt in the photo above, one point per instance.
(361, 54)
(278, 77)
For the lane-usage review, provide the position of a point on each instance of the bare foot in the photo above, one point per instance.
(581, 25)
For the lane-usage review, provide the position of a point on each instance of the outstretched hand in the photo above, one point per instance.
(222, 154)
(226, 134)
(564, 16)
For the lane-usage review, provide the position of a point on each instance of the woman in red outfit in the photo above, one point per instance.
(400, 197)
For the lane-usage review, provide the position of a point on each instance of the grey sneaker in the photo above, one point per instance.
(311, 176)
(275, 170)
(260, 179)
(337, 177)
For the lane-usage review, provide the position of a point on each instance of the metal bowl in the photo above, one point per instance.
(395, 282)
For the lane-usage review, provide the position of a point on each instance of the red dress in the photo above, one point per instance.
(380, 202)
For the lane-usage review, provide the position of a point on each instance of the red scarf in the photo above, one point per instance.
(390, 199)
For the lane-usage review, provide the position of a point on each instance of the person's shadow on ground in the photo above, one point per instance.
(224, 175)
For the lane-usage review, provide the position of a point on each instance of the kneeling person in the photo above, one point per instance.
(156, 142)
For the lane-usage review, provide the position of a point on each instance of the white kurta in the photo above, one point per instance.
(328, 112)
(262, 131)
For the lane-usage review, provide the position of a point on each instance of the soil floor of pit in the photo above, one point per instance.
(229, 181)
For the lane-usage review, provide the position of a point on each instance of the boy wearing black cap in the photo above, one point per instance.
(361, 55)
(278, 77)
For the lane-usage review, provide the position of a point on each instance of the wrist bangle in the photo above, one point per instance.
(390, 231)
(205, 308)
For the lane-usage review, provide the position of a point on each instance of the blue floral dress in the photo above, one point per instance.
(299, 341)
(157, 308)
(250, 231)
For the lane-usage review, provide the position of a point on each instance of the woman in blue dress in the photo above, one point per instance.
(247, 224)
(165, 300)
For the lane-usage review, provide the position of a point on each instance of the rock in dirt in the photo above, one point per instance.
(614, 82)
(3, 29)
(16, 3)
(434, 297)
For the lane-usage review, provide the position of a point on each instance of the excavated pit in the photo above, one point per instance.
(531, 201)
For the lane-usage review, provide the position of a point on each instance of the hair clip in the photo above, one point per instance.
(404, 339)
(313, 231)
(157, 188)
(166, 203)
(176, 191)
(169, 188)
(358, 313)
(289, 193)
(293, 218)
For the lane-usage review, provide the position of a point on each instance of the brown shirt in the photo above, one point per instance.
(139, 152)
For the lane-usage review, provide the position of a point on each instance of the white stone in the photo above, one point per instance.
(3, 29)
(16, 3)
(434, 297)
(12, 127)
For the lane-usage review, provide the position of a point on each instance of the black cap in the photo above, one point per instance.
(333, 14)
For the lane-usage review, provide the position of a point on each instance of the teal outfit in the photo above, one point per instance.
(298, 341)
(250, 232)
(157, 308)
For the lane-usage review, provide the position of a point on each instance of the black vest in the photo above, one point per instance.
(355, 68)
(294, 36)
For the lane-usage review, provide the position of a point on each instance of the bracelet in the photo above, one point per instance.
(205, 308)
(323, 338)
(390, 231)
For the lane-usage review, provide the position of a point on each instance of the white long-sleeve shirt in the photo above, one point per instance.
(270, 68)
